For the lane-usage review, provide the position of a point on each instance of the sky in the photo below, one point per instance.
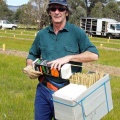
(20, 2)
(16, 2)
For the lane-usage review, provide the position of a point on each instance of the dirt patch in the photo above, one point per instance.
(14, 52)
(102, 68)
(88, 66)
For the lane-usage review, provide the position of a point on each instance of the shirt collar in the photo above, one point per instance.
(66, 28)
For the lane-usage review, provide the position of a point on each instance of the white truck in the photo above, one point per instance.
(101, 27)
(5, 24)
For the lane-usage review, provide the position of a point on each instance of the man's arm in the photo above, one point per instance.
(82, 57)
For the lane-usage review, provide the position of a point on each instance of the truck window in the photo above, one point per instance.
(117, 26)
(8, 22)
(112, 26)
(4, 22)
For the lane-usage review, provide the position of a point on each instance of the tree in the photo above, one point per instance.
(40, 13)
(25, 14)
(78, 13)
(97, 10)
(118, 3)
(35, 11)
(91, 4)
(5, 12)
(111, 10)
(75, 3)
(78, 9)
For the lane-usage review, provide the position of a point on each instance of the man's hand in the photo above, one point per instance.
(32, 74)
(59, 62)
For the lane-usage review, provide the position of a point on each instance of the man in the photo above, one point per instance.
(59, 43)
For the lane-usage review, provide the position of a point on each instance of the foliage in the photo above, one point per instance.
(97, 10)
(78, 10)
(91, 4)
(118, 3)
(111, 10)
(75, 18)
(34, 13)
(25, 15)
(5, 12)
(41, 15)
(76, 3)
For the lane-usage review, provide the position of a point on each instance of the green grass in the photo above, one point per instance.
(110, 55)
(109, 45)
(112, 43)
(109, 58)
(21, 42)
(17, 91)
(16, 44)
(98, 39)
(18, 31)
(24, 34)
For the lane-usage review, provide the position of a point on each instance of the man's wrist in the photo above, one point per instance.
(71, 58)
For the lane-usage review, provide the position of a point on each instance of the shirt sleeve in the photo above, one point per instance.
(34, 51)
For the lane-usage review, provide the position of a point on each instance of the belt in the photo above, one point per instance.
(51, 85)
(48, 84)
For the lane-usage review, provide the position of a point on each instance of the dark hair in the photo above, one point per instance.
(68, 10)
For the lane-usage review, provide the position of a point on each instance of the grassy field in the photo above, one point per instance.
(17, 91)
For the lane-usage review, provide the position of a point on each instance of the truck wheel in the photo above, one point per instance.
(109, 36)
(13, 28)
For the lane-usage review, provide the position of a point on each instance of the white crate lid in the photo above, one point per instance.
(70, 92)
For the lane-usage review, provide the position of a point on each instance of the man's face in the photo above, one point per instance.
(58, 13)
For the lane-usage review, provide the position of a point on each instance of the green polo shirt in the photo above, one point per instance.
(70, 40)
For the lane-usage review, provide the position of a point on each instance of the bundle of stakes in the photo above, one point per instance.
(86, 79)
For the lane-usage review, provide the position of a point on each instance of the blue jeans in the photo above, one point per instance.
(44, 109)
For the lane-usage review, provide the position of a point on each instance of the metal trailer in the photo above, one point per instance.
(101, 27)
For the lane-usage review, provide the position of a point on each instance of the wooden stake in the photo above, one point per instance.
(3, 47)
(101, 45)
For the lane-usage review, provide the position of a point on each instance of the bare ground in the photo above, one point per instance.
(88, 66)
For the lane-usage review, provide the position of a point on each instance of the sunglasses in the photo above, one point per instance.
(60, 9)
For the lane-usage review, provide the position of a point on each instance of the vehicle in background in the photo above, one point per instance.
(101, 27)
(5, 24)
